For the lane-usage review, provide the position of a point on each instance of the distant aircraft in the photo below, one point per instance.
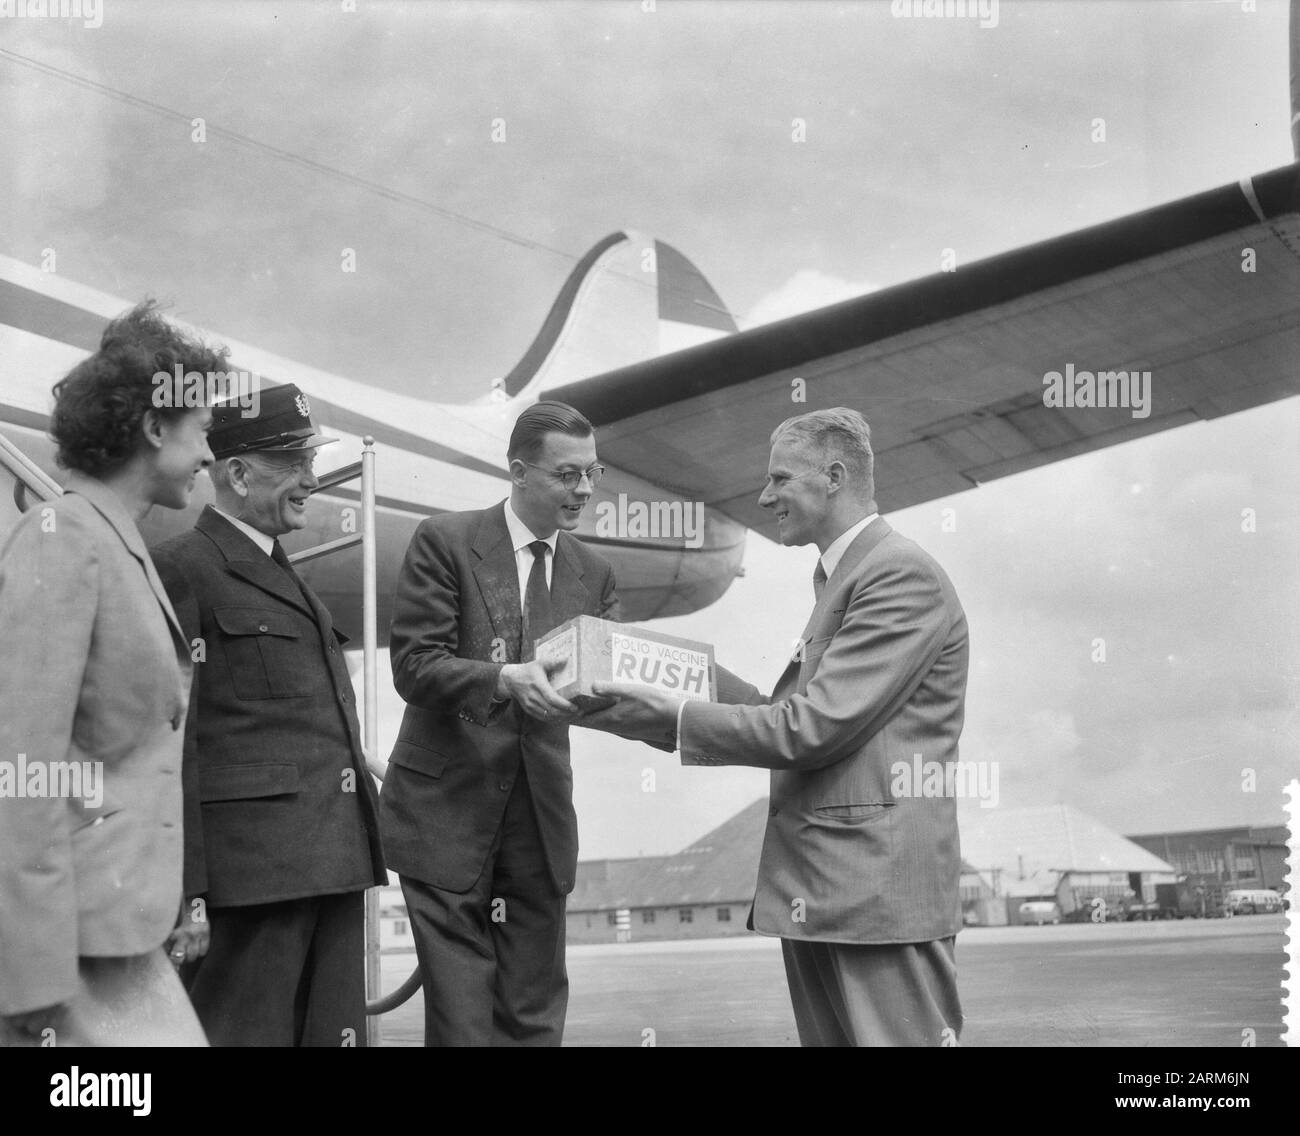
(1183, 312)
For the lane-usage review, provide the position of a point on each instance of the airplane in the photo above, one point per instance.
(955, 372)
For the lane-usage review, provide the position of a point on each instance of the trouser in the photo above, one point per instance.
(134, 1000)
(492, 958)
(284, 974)
(860, 994)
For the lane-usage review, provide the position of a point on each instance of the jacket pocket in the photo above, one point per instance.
(245, 782)
(262, 650)
(810, 650)
(854, 814)
(419, 759)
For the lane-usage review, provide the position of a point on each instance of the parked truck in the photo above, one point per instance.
(1188, 900)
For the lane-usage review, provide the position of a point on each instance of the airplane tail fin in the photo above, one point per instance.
(629, 299)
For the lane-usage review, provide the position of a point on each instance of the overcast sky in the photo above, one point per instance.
(922, 135)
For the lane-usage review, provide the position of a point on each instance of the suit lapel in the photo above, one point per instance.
(862, 544)
(323, 618)
(569, 594)
(498, 577)
(832, 593)
(109, 505)
(245, 560)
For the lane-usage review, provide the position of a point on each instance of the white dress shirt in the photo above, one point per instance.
(840, 545)
(522, 536)
(264, 542)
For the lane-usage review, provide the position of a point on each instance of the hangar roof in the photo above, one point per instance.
(1026, 841)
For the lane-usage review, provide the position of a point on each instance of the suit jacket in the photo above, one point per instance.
(94, 670)
(456, 622)
(880, 675)
(279, 804)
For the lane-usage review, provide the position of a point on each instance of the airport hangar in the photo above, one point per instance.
(1010, 856)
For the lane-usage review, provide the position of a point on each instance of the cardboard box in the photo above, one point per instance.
(596, 650)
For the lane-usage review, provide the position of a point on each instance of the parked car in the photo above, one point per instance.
(1039, 911)
(1251, 901)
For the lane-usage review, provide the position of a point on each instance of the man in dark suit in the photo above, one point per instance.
(858, 874)
(281, 833)
(477, 804)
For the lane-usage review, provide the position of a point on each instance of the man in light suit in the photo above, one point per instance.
(858, 881)
(477, 804)
(281, 831)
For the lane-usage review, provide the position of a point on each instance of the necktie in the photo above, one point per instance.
(278, 555)
(819, 580)
(537, 601)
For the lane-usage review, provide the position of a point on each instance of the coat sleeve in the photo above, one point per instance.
(425, 635)
(49, 594)
(180, 591)
(893, 630)
(734, 690)
(609, 606)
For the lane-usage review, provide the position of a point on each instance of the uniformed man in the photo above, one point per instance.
(281, 836)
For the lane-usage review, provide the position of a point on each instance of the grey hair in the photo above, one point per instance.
(219, 471)
(838, 434)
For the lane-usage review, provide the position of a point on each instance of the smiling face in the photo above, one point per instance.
(179, 453)
(539, 497)
(797, 492)
(278, 486)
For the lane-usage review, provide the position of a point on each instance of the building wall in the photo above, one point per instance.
(647, 924)
(1231, 857)
(1272, 859)
(394, 923)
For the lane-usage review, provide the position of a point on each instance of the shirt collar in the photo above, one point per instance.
(259, 538)
(840, 545)
(521, 535)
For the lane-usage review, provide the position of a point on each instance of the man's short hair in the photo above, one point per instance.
(100, 404)
(839, 434)
(262, 461)
(540, 419)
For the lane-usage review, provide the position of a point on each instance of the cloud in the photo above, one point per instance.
(806, 290)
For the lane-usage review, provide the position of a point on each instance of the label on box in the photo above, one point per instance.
(675, 668)
(564, 647)
(596, 650)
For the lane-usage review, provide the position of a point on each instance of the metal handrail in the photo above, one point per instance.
(27, 473)
(397, 997)
(365, 469)
(319, 550)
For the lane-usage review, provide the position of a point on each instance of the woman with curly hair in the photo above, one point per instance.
(94, 687)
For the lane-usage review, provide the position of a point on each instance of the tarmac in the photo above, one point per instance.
(1159, 984)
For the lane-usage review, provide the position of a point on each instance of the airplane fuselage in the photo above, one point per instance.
(430, 458)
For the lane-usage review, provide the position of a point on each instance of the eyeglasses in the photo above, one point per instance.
(572, 478)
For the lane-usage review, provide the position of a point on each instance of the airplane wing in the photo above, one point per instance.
(1204, 293)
